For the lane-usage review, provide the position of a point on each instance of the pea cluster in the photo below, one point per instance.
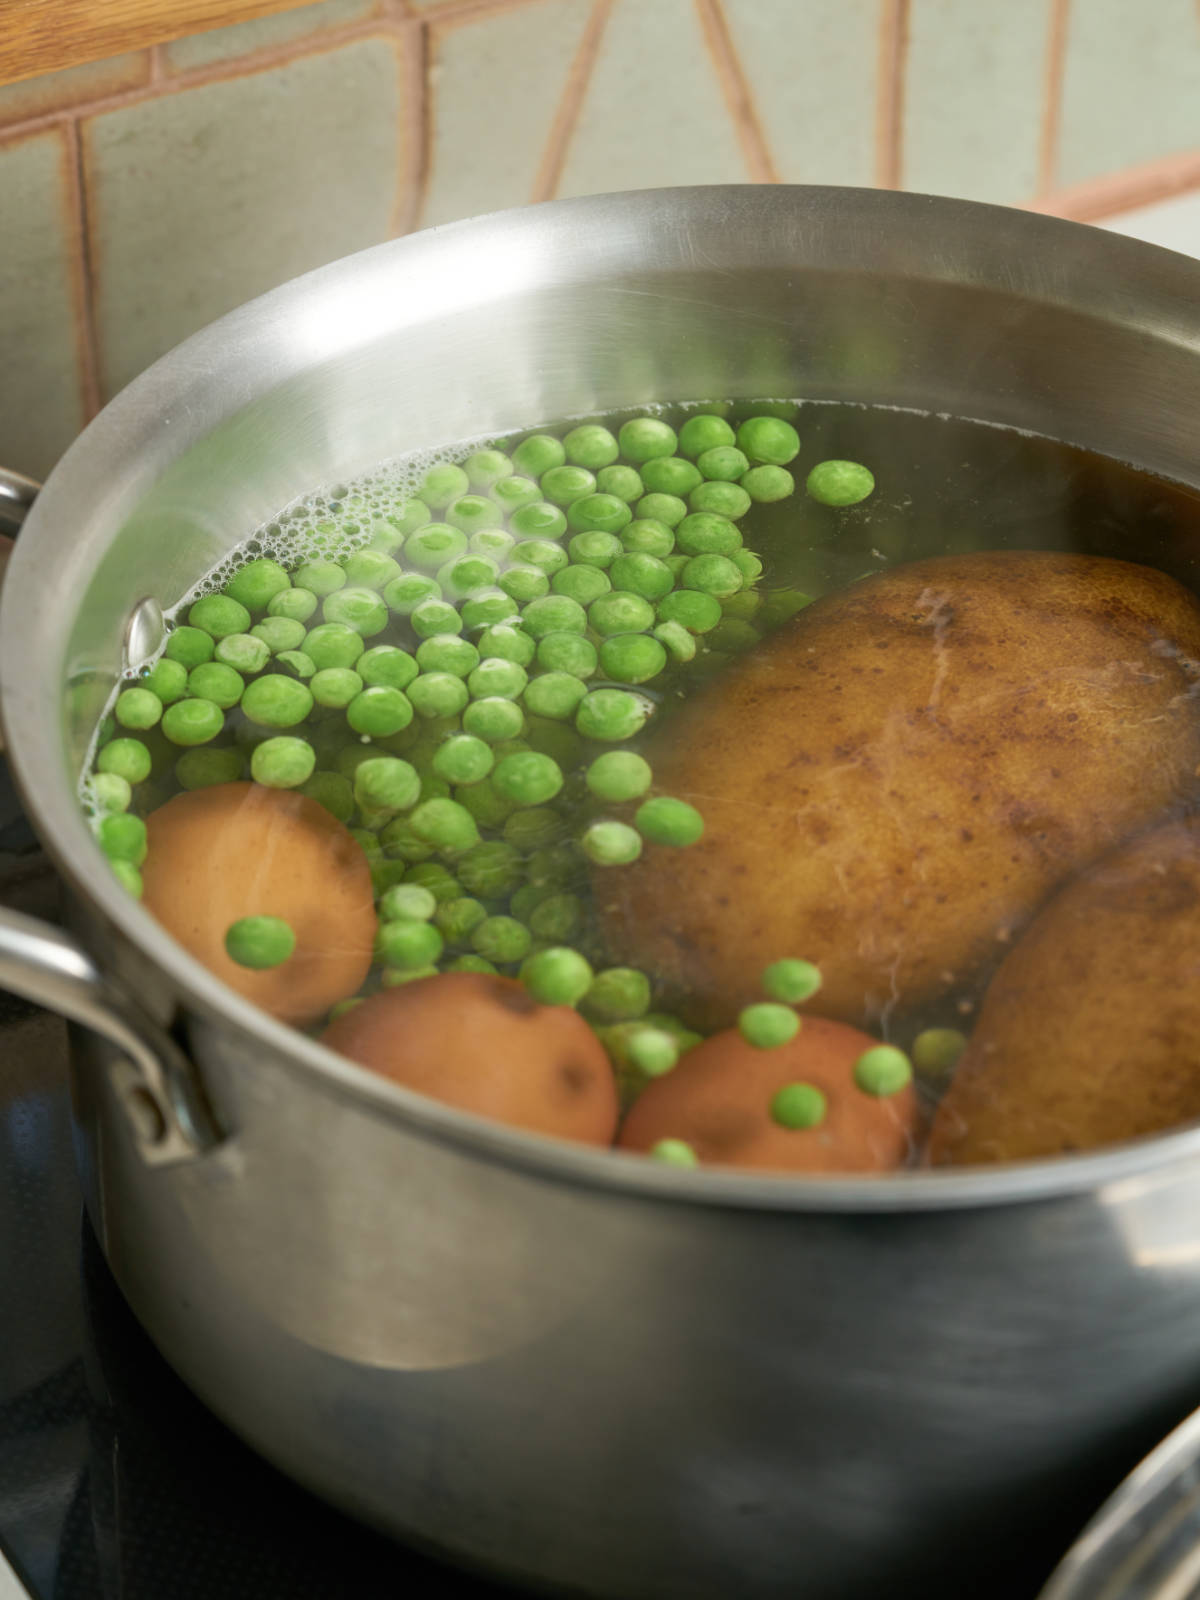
(461, 691)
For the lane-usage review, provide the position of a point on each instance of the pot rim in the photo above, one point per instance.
(1167, 284)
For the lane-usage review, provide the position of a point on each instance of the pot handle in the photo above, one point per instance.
(152, 1076)
(17, 494)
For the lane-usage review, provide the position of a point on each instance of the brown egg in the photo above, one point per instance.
(241, 850)
(486, 1045)
(718, 1099)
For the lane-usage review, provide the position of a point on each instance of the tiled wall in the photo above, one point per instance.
(143, 196)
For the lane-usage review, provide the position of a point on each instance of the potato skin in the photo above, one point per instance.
(485, 1044)
(1090, 1031)
(718, 1099)
(895, 780)
(241, 850)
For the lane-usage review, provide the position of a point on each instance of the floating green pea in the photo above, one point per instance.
(767, 1025)
(883, 1070)
(840, 483)
(790, 981)
(259, 943)
(558, 976)
(798, 1105)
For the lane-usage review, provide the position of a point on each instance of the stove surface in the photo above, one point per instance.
(114, 1480)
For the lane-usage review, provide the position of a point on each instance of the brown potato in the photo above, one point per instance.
(485, 1044)
(718, 1099)
(894, 780)
(1090, 1031)
(240, 850)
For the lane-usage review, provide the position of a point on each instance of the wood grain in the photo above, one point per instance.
(39, 36)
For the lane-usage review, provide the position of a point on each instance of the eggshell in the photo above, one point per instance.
(242, 850)
(484, 1044)
(718, 1099)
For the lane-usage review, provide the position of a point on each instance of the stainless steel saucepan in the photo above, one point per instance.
(575, 1368)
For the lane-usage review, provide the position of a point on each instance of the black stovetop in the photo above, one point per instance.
(114, 1480)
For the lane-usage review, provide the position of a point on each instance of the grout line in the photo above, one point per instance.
(414, 167)
(889, 93)
(1127, 190)
(81, 274)
(554, 156)
(1056, 51)
(739, 98)
(157, 64)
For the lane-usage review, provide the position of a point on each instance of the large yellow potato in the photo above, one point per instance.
(1090, 1030)
(893, 781)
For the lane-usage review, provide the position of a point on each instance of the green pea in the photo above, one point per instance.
(641, 574)
(394, 977)
(539, 520)
(371, 569)
(333, 644)
(138, 708)
(767, 1025)
(647, 536)
(407, 902)
(798, 1105)
(600, 513)
(405, 593)
(665, 508)
(556, 917)
(126, 758)
(595, 547)
(644, 438)
(446, 652)
(791, 981)
(529, 779)
(676, 564)
(611, 715)
(702, 533)
(259, 942)
(631, 658)
(619, 994)
(484, 468)
(723, 462)
(446, 825)
(122, 837)
(567, 652)
(935, 1052)
(194, 721)
(276, 702)
(368, 843)
(501, 939)
(189, 646)
(432, 546)
(218, 615)
(618, 775)
(487, 608)
(719, 499)
(669, 822)
(506, 642)
(335, 687)
(676, 641)
(497, 676)
(670, 475)
(433, 617)
(883, 1070)
(110, 792)
(493, 718)
(489, 809)
(840, 483)
(590, 445)
(582, 584)
(431, 875)
(386, 783)
(467, 575)
(381, 711)
(215, 681)
(436, 694)
(398, 841)
(513, 492)
(711, 574)
(283, 762)
(702, 432)
(525, 583)
(471, 512)
(554, 613)
(464, 759)
(472, 963)
(457, 919)
(558, 976)
(769, 440)
(538, 453)
(442, 484)
(554, 694)
(358, 608)
(292, 605)
(693, 610)
(405, 518)
(674, 1153)
(276, 633)
(257, 584)
(203, 768)
(388, 665)
(611, 844)
(765, 485)
(243, 652)
(534, 828)
(408, 945)
(750, 566)
(168, 680)
(620, 612)
(553, 866)
(331, 790)
(561, 486)
(321, 578)
(624, 482)
(492, 869)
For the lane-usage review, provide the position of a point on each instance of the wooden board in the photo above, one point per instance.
(39, 36)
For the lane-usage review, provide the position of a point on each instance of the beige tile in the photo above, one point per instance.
(202, 199)
(973, 99)
(34, 97)
(811, 69)
(653, 113)
(1131, 88)
(285, 27)
(495, 82)
(41, 409)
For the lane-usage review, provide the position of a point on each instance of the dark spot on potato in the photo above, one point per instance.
(575, 1076)
(512, 997)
